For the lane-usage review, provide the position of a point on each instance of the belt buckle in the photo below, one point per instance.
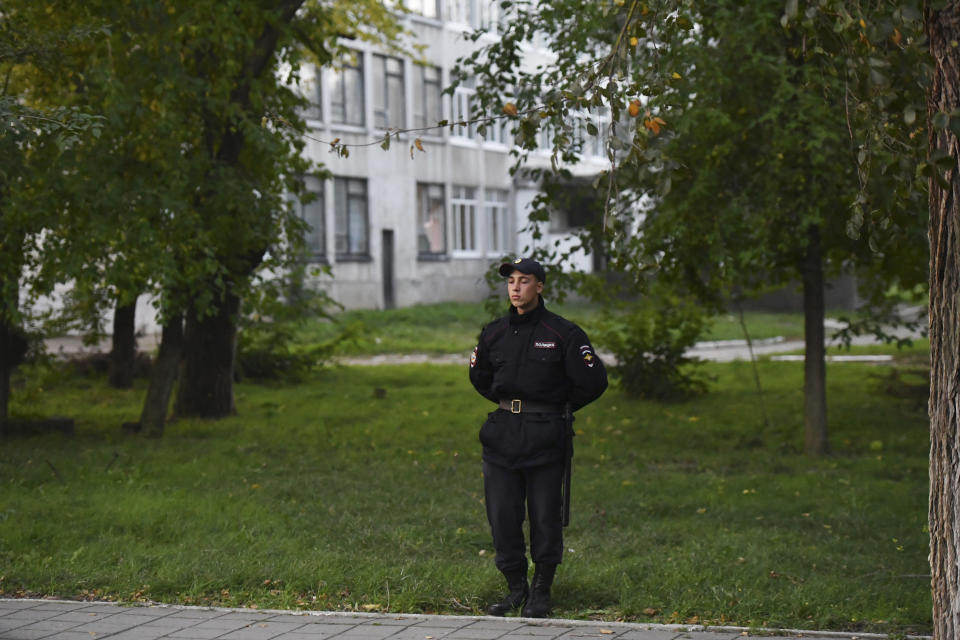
(515, 406)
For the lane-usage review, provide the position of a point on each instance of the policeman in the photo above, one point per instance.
(534, 365)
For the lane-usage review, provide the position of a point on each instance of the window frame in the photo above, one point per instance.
(496, 213)
(339, 98)
(421, 117)
(424, 211)
(316, 251)
(463, 209)
(385, 83)
(343, 225)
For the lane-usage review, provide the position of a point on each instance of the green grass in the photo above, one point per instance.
(453, 327)
(322, 496)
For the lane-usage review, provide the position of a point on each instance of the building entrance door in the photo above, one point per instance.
(386, 262)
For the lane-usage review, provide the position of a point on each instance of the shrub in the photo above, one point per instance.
(649, 339)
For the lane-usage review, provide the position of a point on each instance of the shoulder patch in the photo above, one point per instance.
(589, 358)
(473, 357)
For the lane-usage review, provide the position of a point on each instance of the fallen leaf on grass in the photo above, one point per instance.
(650, 611)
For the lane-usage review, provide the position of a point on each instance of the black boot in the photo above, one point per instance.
(538, 606)
(519, 590)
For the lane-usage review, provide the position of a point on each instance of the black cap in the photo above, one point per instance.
(524, 265)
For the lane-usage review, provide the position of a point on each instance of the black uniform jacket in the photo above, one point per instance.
(540, 357)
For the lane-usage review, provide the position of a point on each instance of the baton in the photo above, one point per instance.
(567, 467)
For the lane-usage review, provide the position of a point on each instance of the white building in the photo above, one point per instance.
(397, 230)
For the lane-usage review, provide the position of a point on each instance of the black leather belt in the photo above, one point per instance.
(530, 406)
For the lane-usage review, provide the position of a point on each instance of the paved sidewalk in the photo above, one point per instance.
(70, 620)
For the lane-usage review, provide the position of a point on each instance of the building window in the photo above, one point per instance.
(310, 90)
(464, 216)
(346, 91)
(460, 11)
(387, 92)
(498, 231)
(431, 221)
(593, 145)
(427, 104)
(352, 225)
(311, 210)
(462, 108)
(489, 15)
(425, 8)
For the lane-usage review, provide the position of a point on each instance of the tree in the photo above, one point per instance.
(739, 120)
(186, 189)
(33, 139)
(942, 21)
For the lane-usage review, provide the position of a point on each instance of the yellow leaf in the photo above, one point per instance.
(419, 144)
(606, 631)
(634, 108)
(510, 109)
(676, 76)
(371, 607)
(650, 611)
(863, 24)
(634, 42)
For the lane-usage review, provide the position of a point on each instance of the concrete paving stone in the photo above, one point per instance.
(421, 631)
(76, 635)
(195, 633)
(59, 606)
(27, 614)
(399, 621)
(141, 633)
(148, 612)
(132, 619)
(707, 635)
(170, 623)
(478, 633)
(496, 624)
(11, 624)
(77, 616)
(198, 614)
(342, 618)
(261, 631)
(356, 636)
(51, 625)
(28, 634)
(452, 622)
(372, 630)
(102, 627)
(648, 634)
(17, 604)
(540, 631)
(312, 632)
(101, 608)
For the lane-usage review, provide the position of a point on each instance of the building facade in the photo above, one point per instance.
(398, 227)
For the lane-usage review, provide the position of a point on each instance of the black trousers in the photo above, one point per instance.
(509, 493)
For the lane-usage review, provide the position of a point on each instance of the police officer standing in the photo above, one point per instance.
(538, 368)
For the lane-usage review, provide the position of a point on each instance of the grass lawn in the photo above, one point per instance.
(453, 327)
(323, 495)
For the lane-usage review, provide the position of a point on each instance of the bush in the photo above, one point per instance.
(650, 339)
(269, 345)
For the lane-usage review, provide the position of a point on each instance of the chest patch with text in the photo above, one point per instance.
(543, 344)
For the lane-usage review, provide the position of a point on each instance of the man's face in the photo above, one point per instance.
(524, 290)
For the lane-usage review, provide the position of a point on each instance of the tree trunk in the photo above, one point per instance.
(153, 418)
(6, 367)
(123, 351)
(943, 31)
(13, 345)
(814, 367)
(206, 377)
